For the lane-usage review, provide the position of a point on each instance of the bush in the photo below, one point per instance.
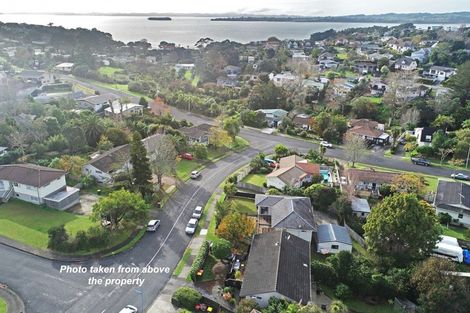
(58, 238)
(324, 273)
(186, 297)
(57, 143)
(426, 151)
(221, 248)
(444, 218)
(81, 241)
(98, 237)
(200, 151)
(342, 292)
(199, 260)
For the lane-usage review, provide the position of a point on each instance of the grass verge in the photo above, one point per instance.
(457, 232)
(3, 306)
(184, 261)
(131, 243)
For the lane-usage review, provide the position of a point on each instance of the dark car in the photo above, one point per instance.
(420, 161)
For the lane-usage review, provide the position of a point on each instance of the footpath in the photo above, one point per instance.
(162, 303)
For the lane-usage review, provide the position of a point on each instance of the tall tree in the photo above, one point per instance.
(232, 126)
(162, 157)
(141, 172)
(219, 137)
(355, 148)
(439, 291)
(93, 127)
(237, 229)
(121, 206)
(402, 229)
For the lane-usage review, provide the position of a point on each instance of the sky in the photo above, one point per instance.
(291, 7)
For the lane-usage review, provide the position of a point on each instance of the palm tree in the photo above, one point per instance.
(93, 128)
(338, 306)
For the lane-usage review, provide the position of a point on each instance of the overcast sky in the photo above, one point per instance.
(298, 7)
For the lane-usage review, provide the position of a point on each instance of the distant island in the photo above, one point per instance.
(159, 18)
(417, 18)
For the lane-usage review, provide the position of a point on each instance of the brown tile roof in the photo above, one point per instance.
(365, 131)
(290, 161)
(30, 174)
(293, 168)
(310, 168)
(363, 122)
(196, 131)
(371, 176)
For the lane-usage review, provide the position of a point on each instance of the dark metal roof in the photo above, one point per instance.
(453, 196)
(333, 233)
(278, 262)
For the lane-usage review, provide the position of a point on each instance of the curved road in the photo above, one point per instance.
(45, 290)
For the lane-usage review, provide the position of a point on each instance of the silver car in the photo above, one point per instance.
(191, 227)
(197, 213)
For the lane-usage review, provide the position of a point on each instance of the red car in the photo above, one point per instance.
(186, 156)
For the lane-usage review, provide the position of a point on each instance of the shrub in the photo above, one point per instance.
(200, 151)
(342, 292)
(186, 297)
(81, 240)
(57, 143)
(444, 218)
(98, 237)
(324, 273)
(199, 260)
(426, 151)
(58, 238)
(221, 248)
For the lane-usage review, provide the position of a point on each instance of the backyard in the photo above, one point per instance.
(243, 205)
(255, 179)
(28, 223)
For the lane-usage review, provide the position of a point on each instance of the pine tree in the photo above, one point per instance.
(141, 173)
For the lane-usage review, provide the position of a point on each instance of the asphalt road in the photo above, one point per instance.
(44, 289)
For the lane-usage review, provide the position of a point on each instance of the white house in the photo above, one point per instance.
(424, 135)
(183, 67)
(282, 78)
(440, 73)
(3, 151)
(38, 185)
(124, 109)
(406, 64)
(300, 57)
(453, 198)
(65, 67)
(97, 102)
(278, 266)
(332, 238)
(293, 171)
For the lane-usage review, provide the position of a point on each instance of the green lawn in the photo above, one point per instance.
(457, 232)
(255, 179)
(28, 223)
(342, 56)
(3, 306)
(108, 70)
(243, 205)
(185, 167)
(184, 261)
(375, 100)
(208, 275)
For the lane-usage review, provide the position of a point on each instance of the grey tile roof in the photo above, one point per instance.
(333, 233)
(288, 212)
(360, 205)
(113, 159)
(278, 262)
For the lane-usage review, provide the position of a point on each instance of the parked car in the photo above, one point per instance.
(191, 227)
(186, 156)
(270, 162)
(197, 212)
(326, 144)
(153, 225)
(420, 161)
(129, 309)
(460, 176)
(195, 174)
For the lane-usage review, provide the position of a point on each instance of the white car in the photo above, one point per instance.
(191, 227)
(129, 309)
(197, 213)
(326, 144)
(153, 225)
(195, 174)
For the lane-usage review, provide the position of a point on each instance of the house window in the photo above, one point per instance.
(334, 247)
(264, 210)
(460, 215)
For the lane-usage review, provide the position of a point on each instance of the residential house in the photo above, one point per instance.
(378, 88)
(38, 185)
(302, 121)
(401, 46)
(272, 43)
(360, 207)
(328, 64)
(37, 78)
(96, 103)
(273, 116)
(283, 78)
(104, 166)
(293, 171)
(197, 134)
(65, 67)
(232, 71)
(366, 67)
(313, 83)
(377, 56)
(371, 131)
(421, 55)
(424, 135)
(123, 109)
(453, 198)
(332, 238)
(406, 64)
(300, 57)
(369, 179)
(293, 214)
(226, 81)
(278, 266)
(183, 67)
(326, 56)
(439, 73)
